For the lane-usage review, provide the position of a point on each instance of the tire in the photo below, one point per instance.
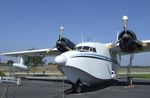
(78, 89)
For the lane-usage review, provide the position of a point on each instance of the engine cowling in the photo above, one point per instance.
(128, 41)
(64, 45)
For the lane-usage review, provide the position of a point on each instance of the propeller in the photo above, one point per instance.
(125, 19)
(63, 44)
(128, 37)
(61, 30)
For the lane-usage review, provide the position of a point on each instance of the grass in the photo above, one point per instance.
(53, 69)
(2, 73)
(135, 69)
(145, 76)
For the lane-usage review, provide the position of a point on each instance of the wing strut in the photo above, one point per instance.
(129, 78)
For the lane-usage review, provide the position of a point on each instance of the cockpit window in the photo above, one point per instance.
(78, 48)
(85, 48)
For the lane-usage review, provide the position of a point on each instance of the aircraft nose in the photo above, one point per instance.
(60, 60)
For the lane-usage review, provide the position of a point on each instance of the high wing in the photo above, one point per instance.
(62, 45)
(22, 55)
(117, 50)
(39, 52)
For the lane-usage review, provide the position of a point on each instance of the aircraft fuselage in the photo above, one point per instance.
(90, 63)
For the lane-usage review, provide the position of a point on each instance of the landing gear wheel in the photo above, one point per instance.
(78, 89)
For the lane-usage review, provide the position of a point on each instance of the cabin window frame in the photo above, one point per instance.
(85, 48)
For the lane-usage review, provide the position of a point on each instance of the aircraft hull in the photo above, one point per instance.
(74, 74)
(88, 68)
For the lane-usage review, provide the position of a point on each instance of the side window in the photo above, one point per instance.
(94, 49)
(91, 49)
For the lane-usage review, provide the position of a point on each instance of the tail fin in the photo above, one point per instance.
(21, 60)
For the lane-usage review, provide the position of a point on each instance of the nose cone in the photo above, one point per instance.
(60, 60)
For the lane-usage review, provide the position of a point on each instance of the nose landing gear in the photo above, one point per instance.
(76, 88)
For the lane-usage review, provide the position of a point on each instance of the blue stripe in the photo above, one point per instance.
(96, 56)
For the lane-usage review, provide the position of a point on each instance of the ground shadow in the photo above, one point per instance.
(105, 84)
(92, 88)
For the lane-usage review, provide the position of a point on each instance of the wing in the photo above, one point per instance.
(39, 52)
(116, 49)
(23, 54)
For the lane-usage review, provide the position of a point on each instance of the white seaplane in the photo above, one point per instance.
(89, 63)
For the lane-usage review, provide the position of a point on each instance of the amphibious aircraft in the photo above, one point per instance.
(89, 63)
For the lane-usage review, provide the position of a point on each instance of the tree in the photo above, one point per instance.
(10, 62)
(2, 73)
(34, 61)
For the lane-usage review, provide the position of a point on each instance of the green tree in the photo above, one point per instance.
(2, 73)
(10, 62)
(34, 61)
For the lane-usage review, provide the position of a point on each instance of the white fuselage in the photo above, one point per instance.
(89, 62)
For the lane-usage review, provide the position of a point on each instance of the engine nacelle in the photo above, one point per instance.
(64, 45)
(127, 41)
(20, 66)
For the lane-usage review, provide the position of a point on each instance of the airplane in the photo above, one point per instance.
(89, 63)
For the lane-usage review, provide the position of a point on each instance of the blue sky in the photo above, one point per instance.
(25, 24)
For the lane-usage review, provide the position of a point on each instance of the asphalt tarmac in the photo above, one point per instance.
(54, 89)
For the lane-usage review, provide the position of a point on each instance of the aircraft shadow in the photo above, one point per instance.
(105, 84)
(96, 87)
(100, 86)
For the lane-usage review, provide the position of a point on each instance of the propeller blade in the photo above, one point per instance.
(125, 19)
(112, 45)
(61, 30)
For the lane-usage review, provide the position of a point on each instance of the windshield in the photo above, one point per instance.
(85, 48)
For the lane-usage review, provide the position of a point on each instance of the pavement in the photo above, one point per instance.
(54, 89)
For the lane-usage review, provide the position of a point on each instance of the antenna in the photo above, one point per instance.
(61, 30)
(82, 39)
(117, 35)
(0, 58)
